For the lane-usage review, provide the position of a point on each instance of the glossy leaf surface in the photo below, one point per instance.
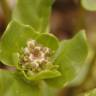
(33, 12)
(70, 57)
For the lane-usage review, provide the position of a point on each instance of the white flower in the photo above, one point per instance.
(35, 64)
(26, 50)
(35, 56)
(31, 43)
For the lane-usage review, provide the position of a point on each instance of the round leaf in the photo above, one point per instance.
(11, 85)
(34, 13)
(46, 74)
(49, 41)
(70, 57)
(89, 4)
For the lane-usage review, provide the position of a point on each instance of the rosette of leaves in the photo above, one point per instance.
(66, 60)
(41, 62)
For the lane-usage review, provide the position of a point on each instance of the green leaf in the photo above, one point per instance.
(89, 4)
(91, 93)
(5, 80)
(14, 38)
(15, 86)
(46, 74)
(49, 41)
(48, 91)
(70, 57)
(34, 13)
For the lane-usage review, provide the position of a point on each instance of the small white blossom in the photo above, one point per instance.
(31, 57)
(35, 64)
(37, 48)
(26, 50)
(31, 43)
(46, 50)
(35, 57)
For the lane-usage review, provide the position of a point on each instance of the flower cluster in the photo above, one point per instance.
(35, 58)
